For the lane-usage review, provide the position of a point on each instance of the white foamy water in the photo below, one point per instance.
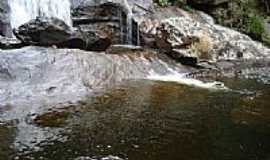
(173, 76)
(23, 11)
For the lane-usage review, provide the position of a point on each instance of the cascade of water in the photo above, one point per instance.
(23, 11)
(129, 21)
(173, 75)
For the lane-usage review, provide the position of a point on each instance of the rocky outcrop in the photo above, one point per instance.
(197, 35)
(124, 49)
(35, 80)
(137, 6)
(53, 31)
(258, 70)
(110, 18)
(207, 2)
(104, 19)
(34, 74)
(10, 43)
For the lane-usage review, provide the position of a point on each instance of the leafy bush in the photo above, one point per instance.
(246, 16)
(162, 2)
(255, 27)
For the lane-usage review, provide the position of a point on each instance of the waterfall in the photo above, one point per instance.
(173, 75)
(22, 11)
(129, 21)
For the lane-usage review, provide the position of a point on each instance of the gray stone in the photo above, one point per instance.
(110, 18)
(53, 31)
(33, 75)
(183, 57)
(10, 43)
(123, 49)
(207, 2)
(197, 34)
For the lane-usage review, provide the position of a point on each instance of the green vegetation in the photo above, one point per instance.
(162, 3)
(255, 27)
(246, 16)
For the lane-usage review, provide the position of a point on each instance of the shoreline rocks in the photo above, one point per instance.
(53, 31)
(197, 35)
(10, 43)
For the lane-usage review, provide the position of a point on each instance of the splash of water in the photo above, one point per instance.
(174, 76)
(23, 11)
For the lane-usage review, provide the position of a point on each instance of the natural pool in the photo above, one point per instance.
(150, 120)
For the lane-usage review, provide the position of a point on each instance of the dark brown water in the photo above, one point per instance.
(146, 120)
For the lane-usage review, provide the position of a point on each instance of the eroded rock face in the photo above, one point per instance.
(104, 19)
(197, 35)
(10, 43)
(207, 2)
(44, 31)
(53, 31)
(110, 17)
(135, 5)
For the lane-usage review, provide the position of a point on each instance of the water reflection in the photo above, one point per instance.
(156, 121)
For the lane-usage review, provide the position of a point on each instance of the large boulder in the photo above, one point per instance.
(53, 31)
(197, 35)
(37, 76)
(9, 43)
(137, 6)
(110, 17)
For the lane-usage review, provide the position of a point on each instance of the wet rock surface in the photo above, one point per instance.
(124, 49)
(197, 35)
(10, 43)
(206, 4)
(257, 70)
(47, 76)
(53, 31)
(111, 18)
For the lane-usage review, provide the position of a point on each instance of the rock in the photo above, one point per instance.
(44, 31)
(267, 27)
(207, 2)
(123, 49)
(110, 18)
(39, 75)
(53, 31)
(249, 69)
(197, 34)
(183, 57)
(10, 43)
(52, 119)
(137, 6)
(103, 19)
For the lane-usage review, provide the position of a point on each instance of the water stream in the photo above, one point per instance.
(150, 120)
